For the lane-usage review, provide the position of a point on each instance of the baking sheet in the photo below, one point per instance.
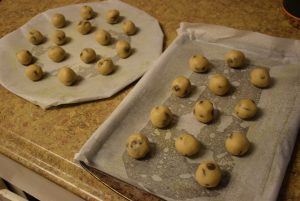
(49, 91)
(256, 176)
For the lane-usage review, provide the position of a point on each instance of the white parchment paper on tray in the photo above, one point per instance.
(256, 176)
(147, 45)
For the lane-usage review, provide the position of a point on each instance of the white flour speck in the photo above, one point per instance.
(156, 178)
(185, 176)
(168, 135)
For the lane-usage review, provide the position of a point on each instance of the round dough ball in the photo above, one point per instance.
(218, 84)
(112, 16)
(24, 57)
(34, 72)
(56, 53)
(235, 58)
(67, 76)
(84, 27)
(187, 145)
(260, 77)
(204, 111)
(123, 49)
(105, 66)
(58, 20)
(181, 87)
(59, 37)
(237, 144)
(161, 116)
(245, 109)
(208, 174)
(86, 12)
(137, 145)
(103, 37)
(199, 64)
(129, 27)
(35, 37)
(88, 55)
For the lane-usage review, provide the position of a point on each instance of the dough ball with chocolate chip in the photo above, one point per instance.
(112, 16)
(208, 174)
(237, 144)
(161, 116)
(260, 77)
(129, 27)
(103, 37)
(56, 54)
(123, 49)
(34, 72)
(24, 57)
(84, 27)
(204, 111)
(187, 145)
(235, 59)
(66, 76)
(86, 12)
(59, 37)
(105, 66)
(245, 109)
(58, 20)
(181, 87)
(88, 55)
(137, 145)
(199, 64)
(35, 37)
(218, 84)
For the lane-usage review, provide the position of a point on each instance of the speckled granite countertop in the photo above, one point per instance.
(46, 141)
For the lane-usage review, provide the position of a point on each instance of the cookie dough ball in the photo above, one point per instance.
(67, 76)
(260, 77)
(86, 12)
(34, 72)
(103, 37)
(187, 145)
(58, 20)
(137, 145)
(105, 66)
(235, 59)
(181, 87)
(237, 144)
(59, 37)
(88, 55)
(204, 111)
(84, 27)
(123, 49)
(199, 64)
(112, 16)
(56, 53)
(245, 109)
(24, 57)
(208, 174)
(35, 37)
(218, 84)
(129, 27)
(161, 116)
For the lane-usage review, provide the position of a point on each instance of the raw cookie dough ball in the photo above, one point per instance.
(105, 66)
(161, 116)
(86, 12)
(187, 145)
(260, 77)
(208, 174)
(88, 55)
(35, 37)
(181, 87)
(112, 16)
(24, 57)
(218, 84)
(84, 27)
(198, 64)
(204, 111)
(34, 72)
(129, 27)
(103, 37)
(67, 76)
(237, 144)
(245, 109)
(56, 53)
(59, 37)
(138, 146)
(235, 59)
(58, 20)
(123, 49)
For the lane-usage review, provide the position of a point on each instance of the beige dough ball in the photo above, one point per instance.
(105, 66)
(24, 57)
(34, 72)
(137, 145)
(86, 12)
(84, 27)
(161, 116)
(187, 145)
(199, 64)
(218, 84)
(67, 76)
(235, 59)
(245, 109)
(56, 53)
(59, 37)
(123, 49)
(208, 174)
(129, 27)
(35, 37)
(112, 16)
(260, 77)
(88, 55)
(204, 111)
(103, 37)
(181, 87)
(58, 20)
(237, 144)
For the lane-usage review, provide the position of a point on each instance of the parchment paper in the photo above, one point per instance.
(256, 176)
(49, 91)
